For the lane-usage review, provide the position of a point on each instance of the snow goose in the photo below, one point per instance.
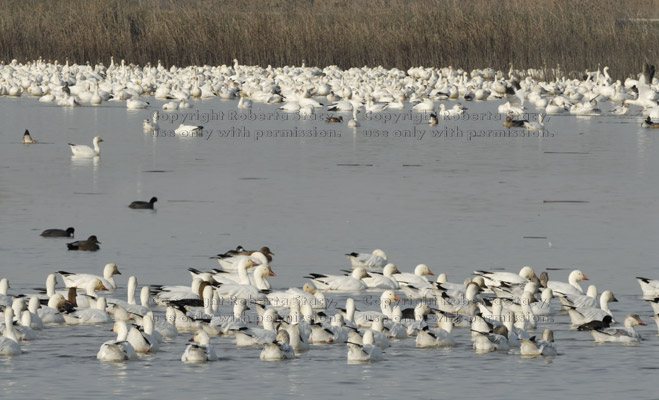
(582, 300)
(280, 349)
(5, 299)
(82, 280)
(349, 283)
(232, 262)
(199, 351)
(24, 330)
(151, 126)
(365, 318)
(571, 287)
(426, 105)
(626, 334)
(141, 341)
(188, 130)
(247, 291)
(436, 338)
(365, 352)
(650, 287)
(308, 294)
(86, 151)
(119, 349)
(421, 311)
(515, 103)
(9, 341)
(143, 205)
(33, 307)
(417, 279)
(580, 316)
(132, 104)
(258, 336)
(533, 347)
(509, 278)
(165, 327)
(376, 259)
(68, 232)
(91, 244)
(384, 280)
(96, 315)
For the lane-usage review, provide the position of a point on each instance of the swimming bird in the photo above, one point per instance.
(132, 104)
(509, 122)
(650, 287)
(143, 205)
(82, 280)
(9, 341)
(151, 126)
(570, 287)
(626, 334)
(366, 351)
(119, 349)
(384, 280)
(649, 124)
(533, 347)
(68, 232)
(535, 126)
(376, 259)
(91, 244)
(27, 139)
(188, 130)
(331, 120)
(432, 120)
(340, 282)
(280, 349)
(86, 151)
(200, 350)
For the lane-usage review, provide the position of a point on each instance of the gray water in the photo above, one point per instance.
(456, 203)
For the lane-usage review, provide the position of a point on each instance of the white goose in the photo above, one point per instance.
(417, 279)
(627, 334)
(384, 280)
(367, 351)
(258, 336)
(509, 278)
(650, 287)
(349, 283)
(280, 349)
(95, 315)
(441, 337)
(86, 151)
(119, 349)
(9, 341)
(571, 287)
(199, 351)
(580, 316)
(376, 259)
(82, 280)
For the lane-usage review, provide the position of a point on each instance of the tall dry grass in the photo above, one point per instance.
(577, 34)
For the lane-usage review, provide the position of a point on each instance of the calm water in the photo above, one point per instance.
(455, 203)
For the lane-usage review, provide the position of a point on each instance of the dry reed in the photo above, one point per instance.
(577, 34)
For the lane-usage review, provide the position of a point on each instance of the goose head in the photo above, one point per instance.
(422, 270)
(110, 269)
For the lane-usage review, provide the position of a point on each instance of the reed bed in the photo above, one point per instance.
(577, 34)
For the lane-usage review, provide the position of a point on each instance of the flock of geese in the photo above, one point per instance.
(305, 90)
(496, 311)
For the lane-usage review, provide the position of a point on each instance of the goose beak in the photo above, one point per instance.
(585, 278)
(397, 298)
(271, 273)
